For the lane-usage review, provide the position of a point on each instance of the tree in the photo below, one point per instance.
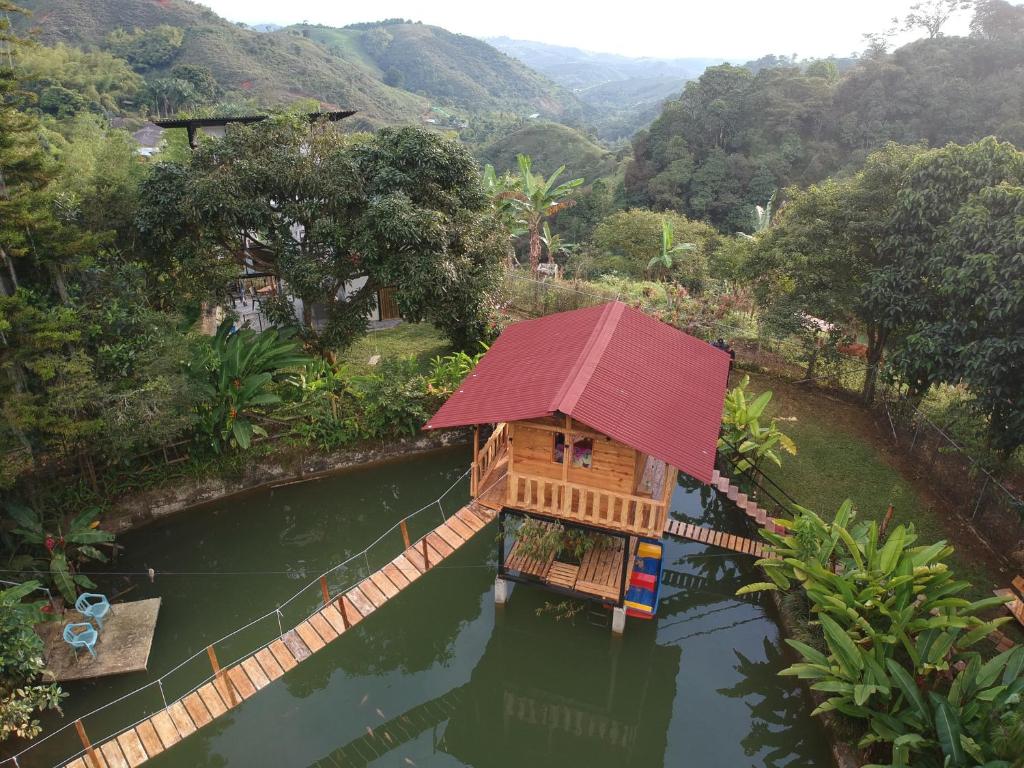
(22, 692)
(535, 199)
(956, 287)
(827, 255)
(930, 15)
(403, 208)
(998, 20)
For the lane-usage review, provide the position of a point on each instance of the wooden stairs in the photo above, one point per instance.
(744, 502)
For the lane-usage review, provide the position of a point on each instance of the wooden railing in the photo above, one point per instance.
(585, 504)
(492, 450)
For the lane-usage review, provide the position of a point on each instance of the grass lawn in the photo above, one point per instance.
(842, 454)
(421, 340)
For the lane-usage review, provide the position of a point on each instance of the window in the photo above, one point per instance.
(582, 451)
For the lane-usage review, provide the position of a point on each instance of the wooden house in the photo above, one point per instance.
(594, 412)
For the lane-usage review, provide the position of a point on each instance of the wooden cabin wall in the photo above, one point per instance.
(613, 465)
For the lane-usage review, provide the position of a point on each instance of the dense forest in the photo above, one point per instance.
(735, 136)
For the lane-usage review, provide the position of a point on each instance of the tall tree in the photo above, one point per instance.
(958, 285)
(322, 210)
(827, 255)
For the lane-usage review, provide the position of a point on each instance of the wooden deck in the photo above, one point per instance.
(599, 573)
(244, 679)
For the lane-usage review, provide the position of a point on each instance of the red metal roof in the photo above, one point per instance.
(620, 372)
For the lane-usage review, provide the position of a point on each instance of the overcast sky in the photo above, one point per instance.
(736, 29)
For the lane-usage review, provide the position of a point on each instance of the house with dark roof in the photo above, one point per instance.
(594, 413)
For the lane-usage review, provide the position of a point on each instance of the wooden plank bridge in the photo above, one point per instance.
(233, 684)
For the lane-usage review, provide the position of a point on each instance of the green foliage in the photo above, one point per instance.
(540, 540)
(403, 208)
(148, 48)
(53, 549)
(548, 145)
(635, 240)
(896, 640)
(237, 375)
(734, 136)
(744, 439)
(532, 199)
(66, 80)
(448, 372)
(956, 288)
(22, 692)
(393, 401)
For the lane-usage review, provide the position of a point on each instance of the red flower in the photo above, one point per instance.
(48, 608)
(50, 543)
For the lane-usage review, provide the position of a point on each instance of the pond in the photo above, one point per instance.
(440, 676)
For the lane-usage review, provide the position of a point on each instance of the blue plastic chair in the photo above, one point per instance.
(81, 635)
(93, 606)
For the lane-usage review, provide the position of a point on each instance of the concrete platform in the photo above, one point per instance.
(124, 643)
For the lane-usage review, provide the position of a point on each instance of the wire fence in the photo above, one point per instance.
(952, 469)
(101, 724)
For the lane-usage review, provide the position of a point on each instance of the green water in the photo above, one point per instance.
(439, 676)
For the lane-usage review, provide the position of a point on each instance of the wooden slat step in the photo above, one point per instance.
(360, 601)
(112, 754)
(181, 719)
(310, 638)
(150, 740)
(373, 594)
(131, 747)
(241, 682)
(282, 655)
(333, 617)
(255, 673)
(322, 627)
(165, 729)
(197, 710)
(213, 701)
(271, 667)
(383, 583)
(298, 649)
(404, 566)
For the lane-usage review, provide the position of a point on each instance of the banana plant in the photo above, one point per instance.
(744, 438)
(53, 550)
(239, 373)
(894, 626)
(534, 198)
(662, 265)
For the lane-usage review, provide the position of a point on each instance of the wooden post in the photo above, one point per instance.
(344, 612)
(405, 534)
(567, 448)
(87, 744)
(220, 674)
(475, 479)
(325, 590)
(426, 557)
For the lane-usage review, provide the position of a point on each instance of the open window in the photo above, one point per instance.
(582, 451)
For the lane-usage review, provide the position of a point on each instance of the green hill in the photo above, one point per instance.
(267, 68)
(551, 145)
(453, 70)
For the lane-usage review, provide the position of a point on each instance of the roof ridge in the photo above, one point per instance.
(583, 370)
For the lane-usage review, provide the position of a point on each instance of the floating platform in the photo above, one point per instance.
(124, 644)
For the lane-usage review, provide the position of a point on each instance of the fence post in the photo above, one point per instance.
(426, 557)
(325, 590)
(220, 674)
(87, 744)
(405, 534)
(344, 612)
